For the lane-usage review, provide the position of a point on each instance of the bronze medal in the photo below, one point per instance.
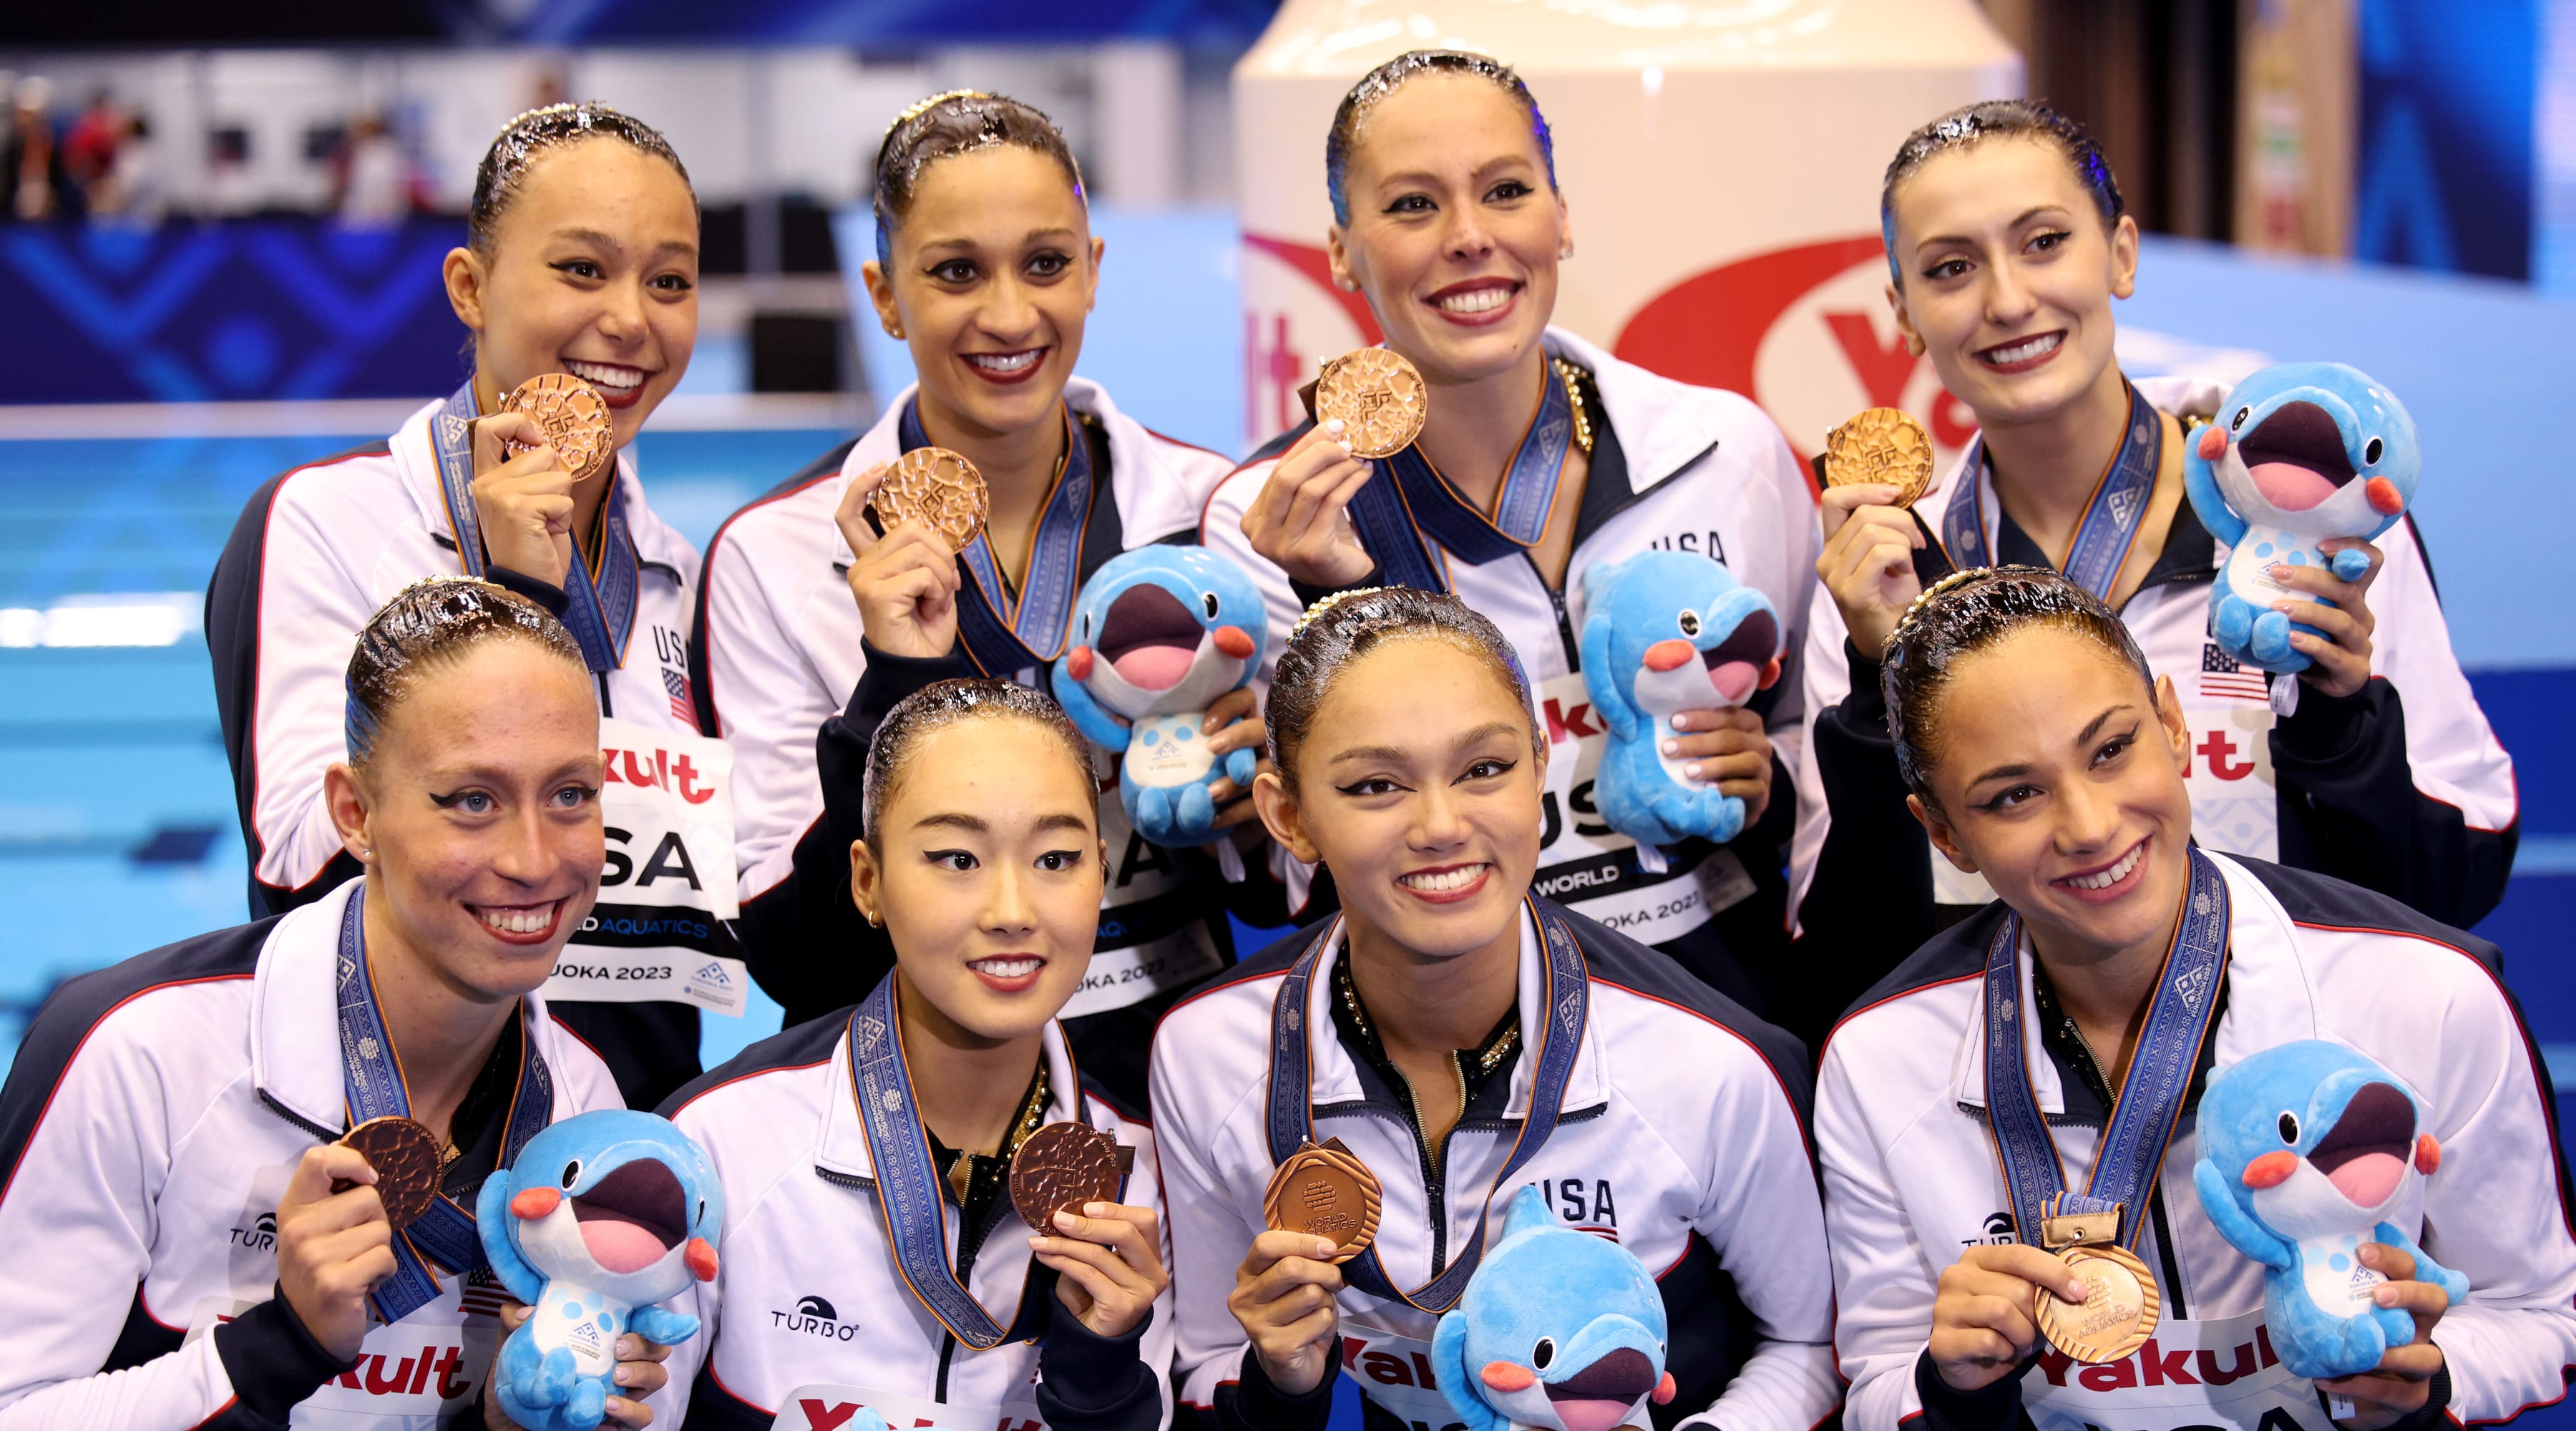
(935, 486)
(2119, 1309)
(1062, 1166)
(1327, 1191)
(407, 1159)
(1881, 444)
(1379, 398)
(574, 418)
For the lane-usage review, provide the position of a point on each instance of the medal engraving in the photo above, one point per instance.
(1379, 398)
(1326, 1191)
(1881, 444)
(2118, 1312)
(574, 419)
(1062, 1166)
(937, 487)
(406, 1158)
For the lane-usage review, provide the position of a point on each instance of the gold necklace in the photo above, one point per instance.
(1572, 377)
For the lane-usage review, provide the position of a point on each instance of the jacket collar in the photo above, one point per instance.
(2269, 999)
(841, 1142)
(1335, 1075)
(1663, 426)
(295, 1014)
(1129, 451)
(416, 467)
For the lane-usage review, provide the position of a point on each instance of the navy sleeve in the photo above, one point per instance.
(1992, 1407)
(2350, 808)
(1251, 1403)
(273, 1361)
(1088, 1382)
(1870, 902)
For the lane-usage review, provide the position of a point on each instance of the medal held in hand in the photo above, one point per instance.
(1379, 398)
(407, 1159)
(1881, 444)
(2120, 1305)
(935, 486)
(1326, 1190)
(574, 418)
(1062, 1166)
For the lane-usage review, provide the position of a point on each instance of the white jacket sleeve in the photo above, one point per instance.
(1208, 1238)
(314, 597)
(1762, 1215)
(1801, 538)
(769, 702)
(1221, 530)
(1882, 1278)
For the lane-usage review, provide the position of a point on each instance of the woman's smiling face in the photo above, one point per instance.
(1419, 788)
(2009, 272)
(1455, 228)
(993, 276)
(2059, 777)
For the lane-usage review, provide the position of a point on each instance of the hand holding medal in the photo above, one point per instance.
(1877, 465)
(1322, 1208)
(334, 1242)
(906, 522)
(1066, 1179)
(545, 437)
(1367, 405)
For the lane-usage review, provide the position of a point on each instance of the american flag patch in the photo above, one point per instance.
(483, 1295)
(2220, 676)
(681, 704)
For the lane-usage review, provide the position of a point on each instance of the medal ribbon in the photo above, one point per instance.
(2111, 519)
(1291, 1122)
(2150, 1098)
(372, 1080)
(908, 1188)
(600, 614)
(1408, 498)
(1002, 636)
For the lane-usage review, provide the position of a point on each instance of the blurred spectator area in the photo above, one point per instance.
(311, 190)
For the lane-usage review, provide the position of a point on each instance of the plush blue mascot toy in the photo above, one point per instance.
(1666, 632)
(605, 1214)
(1558, 1329)
(2300, 452)
(2305, 1151)
(1158, 634)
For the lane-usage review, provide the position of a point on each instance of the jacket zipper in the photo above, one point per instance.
(969, 1242)
(2155, 1189)
(1564, 621)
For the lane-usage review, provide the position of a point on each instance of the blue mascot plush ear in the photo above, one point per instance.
(498, 1229)
(1528, 1211)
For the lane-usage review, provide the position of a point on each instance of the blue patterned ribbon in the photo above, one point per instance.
(1407, 498)
(2150, 1098)
(1003, 636)
(1291, 1121)
(372, 1079)
(2111, 518)
(908, 1188)
(600, 611)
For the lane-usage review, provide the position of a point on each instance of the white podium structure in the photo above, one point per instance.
(1721, 162)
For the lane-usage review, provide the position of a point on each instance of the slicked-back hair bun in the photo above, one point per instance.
(430, 626)
(1375, 86)
(531, 136)
(945, 703)
(945, 125)
(1974, 124)
(1347, 625)
(1963, 614)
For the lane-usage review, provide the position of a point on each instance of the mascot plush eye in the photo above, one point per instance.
(2237, 424)
(1690, 623)
(1543, 1353)
(2289, 1127)
(2370, 453)
(1211, 604)
(702, 1210)
(1085, 638)
(572, 1172)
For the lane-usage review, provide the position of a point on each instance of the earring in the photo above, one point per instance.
(1914, 346)
(364, 853)
(874, 921)
(894, 330)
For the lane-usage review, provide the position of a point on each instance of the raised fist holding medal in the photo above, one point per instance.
(547, 437)
(906, 521)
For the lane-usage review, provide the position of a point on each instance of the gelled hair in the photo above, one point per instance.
(1347, 625)
(1963, 614)
(945, 703)
(1974, 124)
(533, 135)
(429, 626)
(1387, 78)
(958, 122)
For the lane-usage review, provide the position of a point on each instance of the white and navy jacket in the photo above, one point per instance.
(1674, 467)
(808, 1293)
(1911, 1176)
(317, 551)
(782, 656)
(1682, 1137)
(2400, 788)
(148, 1127)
